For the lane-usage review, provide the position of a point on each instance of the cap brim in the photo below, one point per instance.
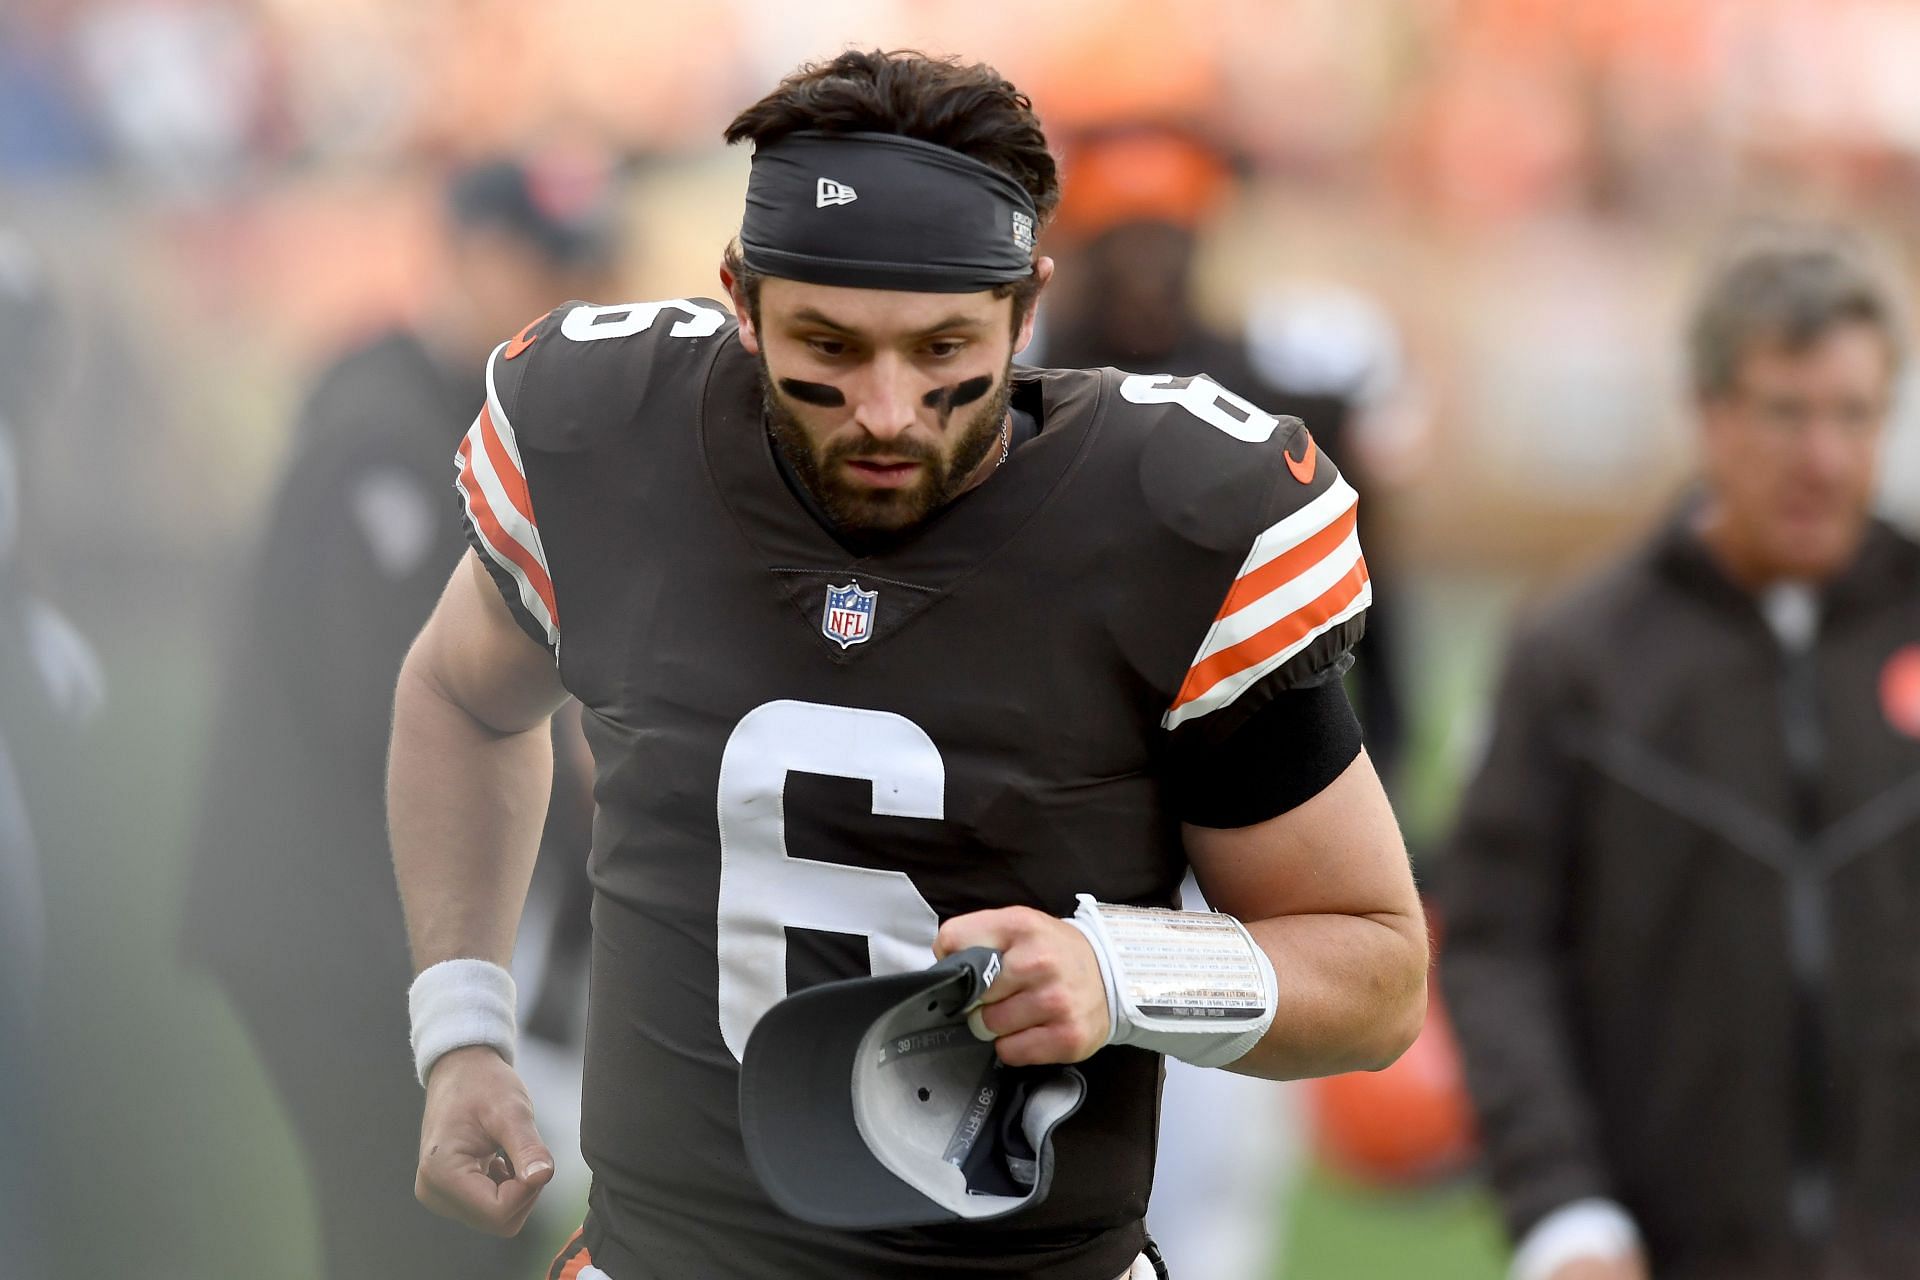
(796, 1104)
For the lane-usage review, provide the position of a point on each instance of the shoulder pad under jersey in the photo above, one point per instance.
(566, 383)
(1215, 468)
(583, 370)
(1253, 489)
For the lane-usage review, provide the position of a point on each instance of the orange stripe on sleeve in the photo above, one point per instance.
(1263, 644)
(511, 480)
(1289, 565)
(498, 539)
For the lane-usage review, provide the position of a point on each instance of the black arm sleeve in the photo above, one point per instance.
(1277, 759)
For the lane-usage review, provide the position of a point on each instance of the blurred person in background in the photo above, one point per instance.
(1684, 890)
(22, 941)
(1137, 198)
(291, 906)
(50, 687)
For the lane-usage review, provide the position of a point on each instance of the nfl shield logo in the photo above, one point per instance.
(848, 619)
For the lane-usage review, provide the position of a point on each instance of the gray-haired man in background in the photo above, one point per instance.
(1684, 893)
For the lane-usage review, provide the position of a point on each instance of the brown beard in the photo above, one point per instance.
(858, 510)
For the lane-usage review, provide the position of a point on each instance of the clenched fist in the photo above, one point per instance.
(1049, 1003)
(481, 1159)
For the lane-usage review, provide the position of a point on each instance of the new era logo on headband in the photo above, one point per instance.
(957, 233)
(830, 192)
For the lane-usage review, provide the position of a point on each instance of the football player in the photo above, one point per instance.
(886, 650)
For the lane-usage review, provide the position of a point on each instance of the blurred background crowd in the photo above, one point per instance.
(1472, 225)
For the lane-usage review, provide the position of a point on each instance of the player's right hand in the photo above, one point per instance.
(1628, 1268)
(481, 1159)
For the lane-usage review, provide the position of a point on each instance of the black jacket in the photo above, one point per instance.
(291, 902)
(1683, 905)
(291, 859)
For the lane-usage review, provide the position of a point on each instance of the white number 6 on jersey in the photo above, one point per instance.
(624, 319)
(764, 890)
(1206, 400)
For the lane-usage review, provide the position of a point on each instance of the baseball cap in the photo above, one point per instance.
(870, 1103)
(562, 204)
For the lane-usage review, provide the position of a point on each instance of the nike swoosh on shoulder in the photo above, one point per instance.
(1303, 468)
(521, 341)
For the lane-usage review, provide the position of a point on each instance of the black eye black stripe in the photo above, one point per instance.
(814, 393)
(947, 399)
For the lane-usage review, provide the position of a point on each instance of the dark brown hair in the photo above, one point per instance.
(966, 107)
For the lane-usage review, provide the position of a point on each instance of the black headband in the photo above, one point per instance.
(880, 211)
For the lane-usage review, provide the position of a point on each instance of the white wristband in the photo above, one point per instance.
(1590, 1228)
(1193, 985)
(457, 1003)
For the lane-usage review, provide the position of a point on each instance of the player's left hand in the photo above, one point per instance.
(1049, 1003)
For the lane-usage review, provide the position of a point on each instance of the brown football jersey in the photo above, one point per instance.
(807, 760)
